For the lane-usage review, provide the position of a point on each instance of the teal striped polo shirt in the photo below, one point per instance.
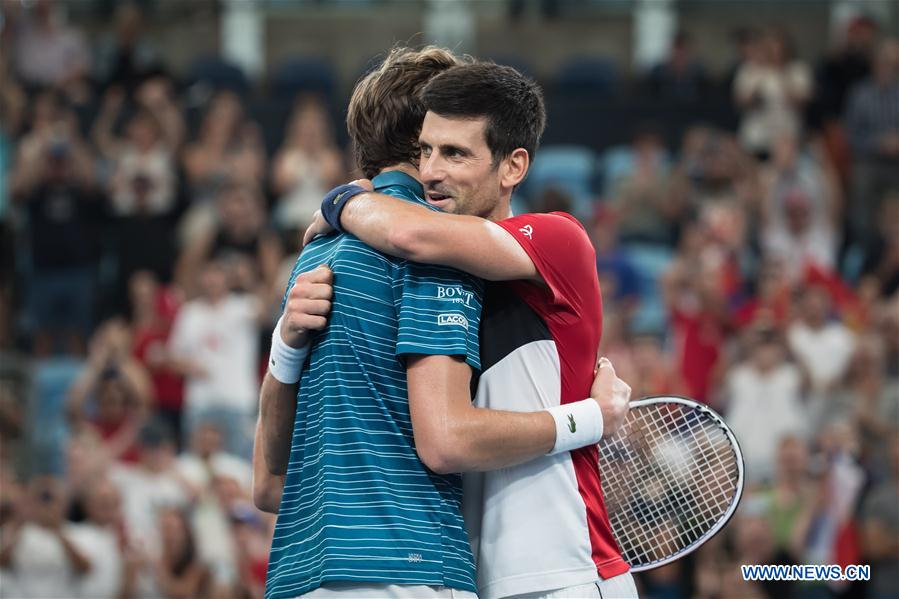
(358, 504)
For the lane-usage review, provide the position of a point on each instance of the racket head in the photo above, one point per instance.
(672, 478)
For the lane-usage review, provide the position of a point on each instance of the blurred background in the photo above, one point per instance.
(735, 162)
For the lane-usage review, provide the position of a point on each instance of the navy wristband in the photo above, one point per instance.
(335, 200)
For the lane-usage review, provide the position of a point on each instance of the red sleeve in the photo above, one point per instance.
(560, 249)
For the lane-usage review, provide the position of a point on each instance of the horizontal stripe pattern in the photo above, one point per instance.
(358, 504)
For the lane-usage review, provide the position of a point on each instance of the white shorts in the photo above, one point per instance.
(347, 590)
(617, 587)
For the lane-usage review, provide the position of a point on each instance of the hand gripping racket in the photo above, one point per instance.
(672, 477)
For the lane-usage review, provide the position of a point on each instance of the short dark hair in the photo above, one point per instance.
(511, 103)
(385, 113)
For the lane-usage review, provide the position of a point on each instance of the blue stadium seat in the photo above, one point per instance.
(48, 428)
(218, 74)
(588, 75)
(571, 169)
(650, 262)
(303, 75)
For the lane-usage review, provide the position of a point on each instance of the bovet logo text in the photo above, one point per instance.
(453, 318)
(454, 294)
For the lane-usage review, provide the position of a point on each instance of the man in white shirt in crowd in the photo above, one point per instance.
(37, 551)
(101, 538)
(215, 344)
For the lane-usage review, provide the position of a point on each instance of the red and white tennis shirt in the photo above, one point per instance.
(541, 525)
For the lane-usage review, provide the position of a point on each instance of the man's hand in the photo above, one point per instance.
(613, 396)
(308, 306)
(319, 225)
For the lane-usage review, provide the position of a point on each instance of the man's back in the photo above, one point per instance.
(358, 504)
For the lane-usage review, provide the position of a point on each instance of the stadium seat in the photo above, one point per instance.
(303, 75)
(650, 262)
(571, 169)
(585, 75)
(48, 428)
(218, 74)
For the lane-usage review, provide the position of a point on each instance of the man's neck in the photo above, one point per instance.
(403, 167)
(501, 211)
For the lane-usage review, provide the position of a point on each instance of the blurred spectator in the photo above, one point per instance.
(48, 51)
(207, 459)
(682, 77)
(826, 528)
(771, 90)
(745, 42)
(695, 296)
(153, 310)
(241, 240)
(215, 345)
(872, 123)
(712, 168)
(881, 247)
(822, 345)
(125, 56)
(887, 324)
(12, 113)
(617, 273)
(147, 487)
(229, 148)
(644, 211)
(849, 63)
(142, 164)
(770, 302)
(53, 132)
(38, 550)
(654, 374)
(763, 404)
(868, 397)
(553, 199)
(800, 208)
(179, 572)
(880, 529)
(139, 242)
(120, 391)
(754, 543)
(308, 164)
(101, 537)
(252, 537)
(63, 214)
(790, 491)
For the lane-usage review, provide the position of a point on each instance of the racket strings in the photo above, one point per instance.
(668, 476)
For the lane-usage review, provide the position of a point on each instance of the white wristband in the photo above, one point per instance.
(285, 362)
(578, 424)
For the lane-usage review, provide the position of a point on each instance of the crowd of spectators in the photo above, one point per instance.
(147, 242)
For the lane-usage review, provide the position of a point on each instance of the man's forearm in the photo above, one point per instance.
(489, 439)
(267, 487)
(277, 408)
(384, 223)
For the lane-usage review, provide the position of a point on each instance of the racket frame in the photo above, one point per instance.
(738, 494)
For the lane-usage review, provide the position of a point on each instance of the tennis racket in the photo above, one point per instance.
(672, 477)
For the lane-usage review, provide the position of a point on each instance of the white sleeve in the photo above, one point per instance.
(180, 339)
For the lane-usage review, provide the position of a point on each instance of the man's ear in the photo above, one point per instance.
(514, 167)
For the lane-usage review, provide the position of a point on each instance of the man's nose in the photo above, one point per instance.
(431, 170)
